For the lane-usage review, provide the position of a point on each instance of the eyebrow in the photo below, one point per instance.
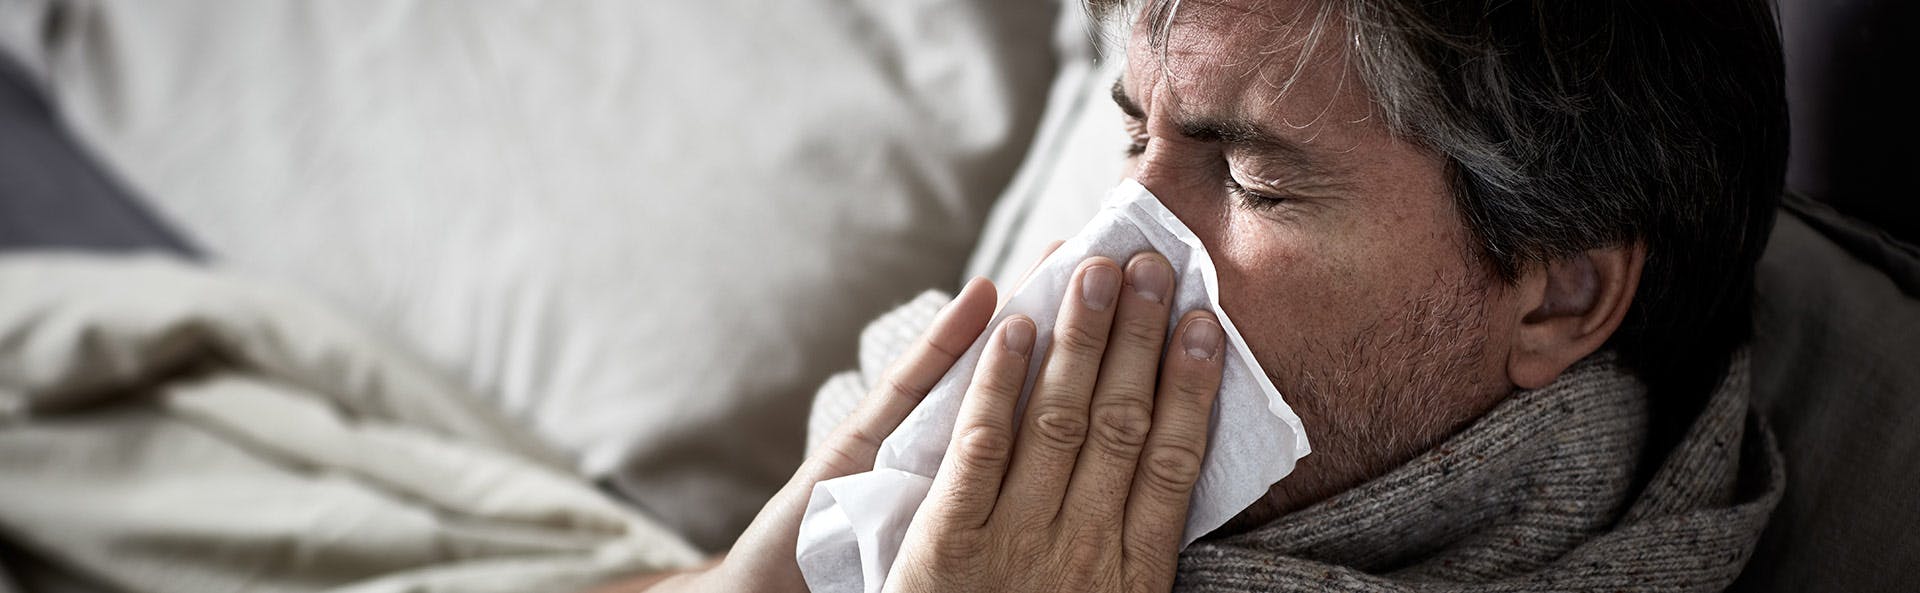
(1232, 132)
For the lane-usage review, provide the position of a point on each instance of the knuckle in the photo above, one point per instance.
(1082, 550)
(953, 552)
(1122, 427)
(1024, 530)
(849, 449)
(1172, 470)
(856, 438)
(1076, 339)
(840, 459)
(950, 348)
(1061, 429)
(1196, 382)
(1089, 537)
(891, 386)
(1143, 331)
(1083, 562)
(830, 462)
(1006, 380)
(1159, 555)
(1135, 391)
(984, 446)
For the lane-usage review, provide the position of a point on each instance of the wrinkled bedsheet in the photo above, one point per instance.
(171, 429)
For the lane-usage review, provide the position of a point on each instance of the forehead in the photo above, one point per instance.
(1280, 63)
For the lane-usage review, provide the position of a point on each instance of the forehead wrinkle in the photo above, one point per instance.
(1233, 132)
(1159, 15)
(1315, 36)
(1254, 47)
(1268, 92)
(1289, 49)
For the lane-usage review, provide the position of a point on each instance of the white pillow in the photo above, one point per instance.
(647, 230)
(1079, 154)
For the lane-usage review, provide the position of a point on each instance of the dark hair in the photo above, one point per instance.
(1574, 125)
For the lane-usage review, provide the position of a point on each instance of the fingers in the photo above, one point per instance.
(851, 447)
(1122, 409)
(1183, 410)
(968, 483)
(1055, 422)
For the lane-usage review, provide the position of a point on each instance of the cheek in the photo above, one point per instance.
(1287, 290)
(1293, 291)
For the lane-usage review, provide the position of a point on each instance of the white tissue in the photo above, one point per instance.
(854, 525)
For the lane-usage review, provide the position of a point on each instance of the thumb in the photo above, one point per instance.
(851, 447)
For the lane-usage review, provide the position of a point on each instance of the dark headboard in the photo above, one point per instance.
(1851, 66)
(53, 194)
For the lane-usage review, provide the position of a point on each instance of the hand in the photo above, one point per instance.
(1091, 492)
(762, 560)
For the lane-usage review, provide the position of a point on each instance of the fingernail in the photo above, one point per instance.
(1151, 278)
(1203, 339)
(1099, 286)
(1017, 336)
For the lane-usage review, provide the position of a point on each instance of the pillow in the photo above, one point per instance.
(1836, 334)
(646, 230)
(1078, 155)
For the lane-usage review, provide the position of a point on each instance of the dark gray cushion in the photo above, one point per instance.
(1849, 64)
(1837, 372)
(52, 195)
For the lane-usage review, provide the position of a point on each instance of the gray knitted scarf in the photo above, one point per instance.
(1538, 495)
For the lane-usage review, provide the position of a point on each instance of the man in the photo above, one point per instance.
(1499, 258)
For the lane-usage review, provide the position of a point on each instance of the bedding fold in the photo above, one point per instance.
(167, 428)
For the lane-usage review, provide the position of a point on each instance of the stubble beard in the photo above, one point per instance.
(1373, 401)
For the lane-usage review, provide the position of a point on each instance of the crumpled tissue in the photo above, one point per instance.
(854, 525)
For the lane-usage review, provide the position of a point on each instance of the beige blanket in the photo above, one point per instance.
(165, 428)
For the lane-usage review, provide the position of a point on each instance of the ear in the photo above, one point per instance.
(1569, 307)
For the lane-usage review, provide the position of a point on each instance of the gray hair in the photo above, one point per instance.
(1569, 126)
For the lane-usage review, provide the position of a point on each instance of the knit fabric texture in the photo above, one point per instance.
(1537, 495)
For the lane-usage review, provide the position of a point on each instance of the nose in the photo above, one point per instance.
(1186, 174)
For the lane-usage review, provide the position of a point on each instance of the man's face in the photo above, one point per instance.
(1342, 258)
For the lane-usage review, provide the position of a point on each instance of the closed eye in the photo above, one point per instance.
(1253, 200)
